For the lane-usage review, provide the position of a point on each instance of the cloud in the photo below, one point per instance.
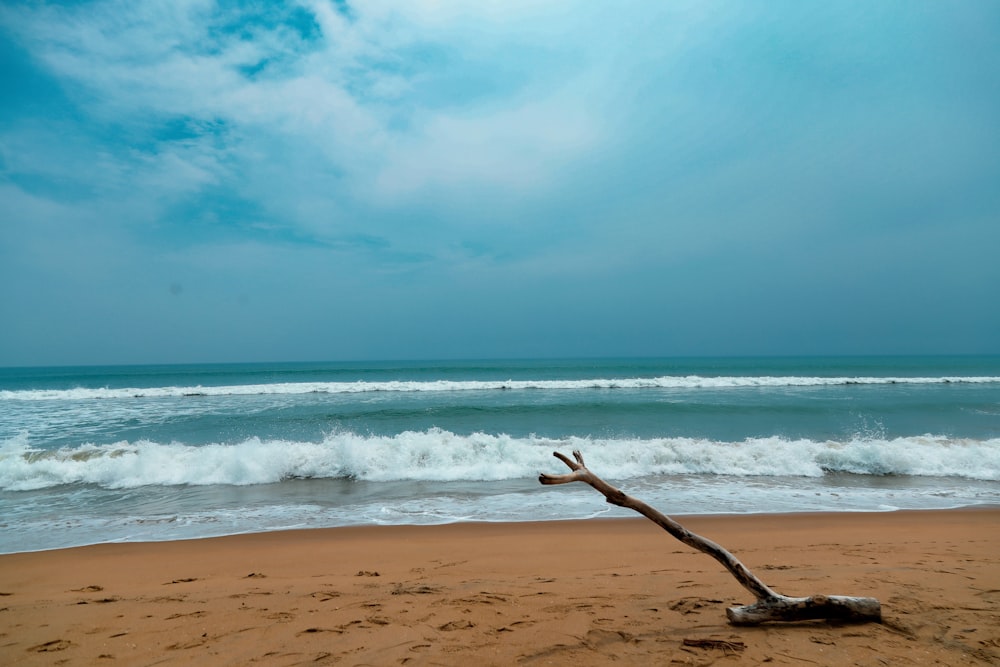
(343, 100)
(517, 150)
(634, 157)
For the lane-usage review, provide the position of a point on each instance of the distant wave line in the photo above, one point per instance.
(409, 386)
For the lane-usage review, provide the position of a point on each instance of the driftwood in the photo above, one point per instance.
(770, 606)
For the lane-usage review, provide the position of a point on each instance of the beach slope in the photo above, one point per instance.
(576, 593)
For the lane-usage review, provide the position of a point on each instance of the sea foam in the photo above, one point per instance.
(440, 455)
(295, 388)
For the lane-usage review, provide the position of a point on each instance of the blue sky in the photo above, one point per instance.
(189, 180)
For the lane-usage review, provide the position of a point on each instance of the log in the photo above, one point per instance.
(770, 606)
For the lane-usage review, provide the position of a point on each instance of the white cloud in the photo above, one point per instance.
(353, 96)
(516, 150)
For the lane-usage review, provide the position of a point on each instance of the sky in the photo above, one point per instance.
(191, 181)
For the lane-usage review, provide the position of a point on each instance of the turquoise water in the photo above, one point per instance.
(163, 452)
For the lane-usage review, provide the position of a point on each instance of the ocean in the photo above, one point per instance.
(147, 453)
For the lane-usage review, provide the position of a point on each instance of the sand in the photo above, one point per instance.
(576, 593)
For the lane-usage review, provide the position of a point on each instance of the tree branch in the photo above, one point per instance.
(770, 606)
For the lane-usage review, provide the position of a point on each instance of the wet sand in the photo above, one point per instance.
(576, 593)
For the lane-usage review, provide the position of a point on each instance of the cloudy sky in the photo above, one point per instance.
(191, 180)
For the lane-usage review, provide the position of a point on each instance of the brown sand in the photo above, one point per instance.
(568, 593)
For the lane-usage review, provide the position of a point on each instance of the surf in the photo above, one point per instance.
(443, 456)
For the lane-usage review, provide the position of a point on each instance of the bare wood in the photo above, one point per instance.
(770, 606)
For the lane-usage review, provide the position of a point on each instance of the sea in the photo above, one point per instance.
(147, 453)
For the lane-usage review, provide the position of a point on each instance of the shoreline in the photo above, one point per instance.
(581, 592)
(676, 516)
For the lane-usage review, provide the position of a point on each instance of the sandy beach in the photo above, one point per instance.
(576, 592)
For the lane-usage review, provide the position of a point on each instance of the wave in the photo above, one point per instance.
(293, 388)
(439, 455)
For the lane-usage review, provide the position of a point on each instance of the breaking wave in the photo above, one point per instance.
(439, 455)
(293, 388)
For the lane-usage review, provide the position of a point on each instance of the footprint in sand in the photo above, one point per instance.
(691, 605)
(49, 647)
(414, 589)
(310, 631)
(990, 596)
(457, 625)
(323, 596)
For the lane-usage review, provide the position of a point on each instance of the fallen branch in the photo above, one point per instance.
(770, 606)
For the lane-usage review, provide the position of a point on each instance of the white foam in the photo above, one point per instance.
(439, 455)
(185, 516)
(293, 388)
